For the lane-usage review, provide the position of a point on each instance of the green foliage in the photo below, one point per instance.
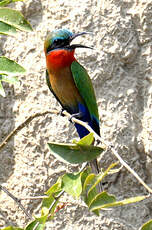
(9, 67)
(8, 70)
(147, 226)
(104, 200)
(11, 21)
(12, 228)
(7, 29)
(76, 153)
(38, 223)
(71, 183)
(82, 184)
(87, 140)
(6, 2)
(52, 193)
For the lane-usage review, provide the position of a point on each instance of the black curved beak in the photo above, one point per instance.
(73, 46)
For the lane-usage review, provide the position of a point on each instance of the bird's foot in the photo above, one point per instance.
(76, 115)
(61, 112)
(98, 142)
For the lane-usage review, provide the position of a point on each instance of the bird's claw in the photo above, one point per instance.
(98, 142)
(61, 112)
(70, 118)
(75, 115)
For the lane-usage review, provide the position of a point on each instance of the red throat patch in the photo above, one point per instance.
(59, 58)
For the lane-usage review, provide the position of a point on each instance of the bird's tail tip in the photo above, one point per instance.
(95, 169)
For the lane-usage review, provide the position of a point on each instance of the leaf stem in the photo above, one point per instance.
(56, 198)
(18, 201)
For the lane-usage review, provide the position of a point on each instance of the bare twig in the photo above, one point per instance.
(33, 197)
(17, 201)
(84, 165)
(25, 123)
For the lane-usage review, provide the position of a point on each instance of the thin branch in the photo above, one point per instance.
(131, 170)
(107, 144)
(25, 123)
(84, 165)
(34, 197)
(17, 201)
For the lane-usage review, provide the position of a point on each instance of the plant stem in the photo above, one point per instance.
(17, 201)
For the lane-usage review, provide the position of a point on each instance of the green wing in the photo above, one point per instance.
(85, 87)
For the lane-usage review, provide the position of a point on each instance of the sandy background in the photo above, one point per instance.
(120, 68)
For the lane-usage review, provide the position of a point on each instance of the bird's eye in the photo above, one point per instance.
(57, 41)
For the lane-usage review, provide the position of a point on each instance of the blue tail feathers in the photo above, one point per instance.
(92, 122)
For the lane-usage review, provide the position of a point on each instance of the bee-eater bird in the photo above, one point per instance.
(69, 81)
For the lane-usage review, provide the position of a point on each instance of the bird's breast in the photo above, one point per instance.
(59, 58)
(64, 87)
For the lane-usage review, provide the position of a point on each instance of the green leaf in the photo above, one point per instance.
(71, 183)
(89, 197)
(147, 226)
(9, 67)
(7, 29)
(14, 18)
(127, 201)
(75, 154)
(104, 200)
(32, 225)
(39, 222)
(92, 192)
(47, 202)
(9, 79)
(113, 171)
(56, 188)
(11, 228)
(84, 175)
(6, 2)
(2, 92)
(35, 225)
(101, 200)
(87, 140)
(16, 1)
(88, 181)
(100, 177)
